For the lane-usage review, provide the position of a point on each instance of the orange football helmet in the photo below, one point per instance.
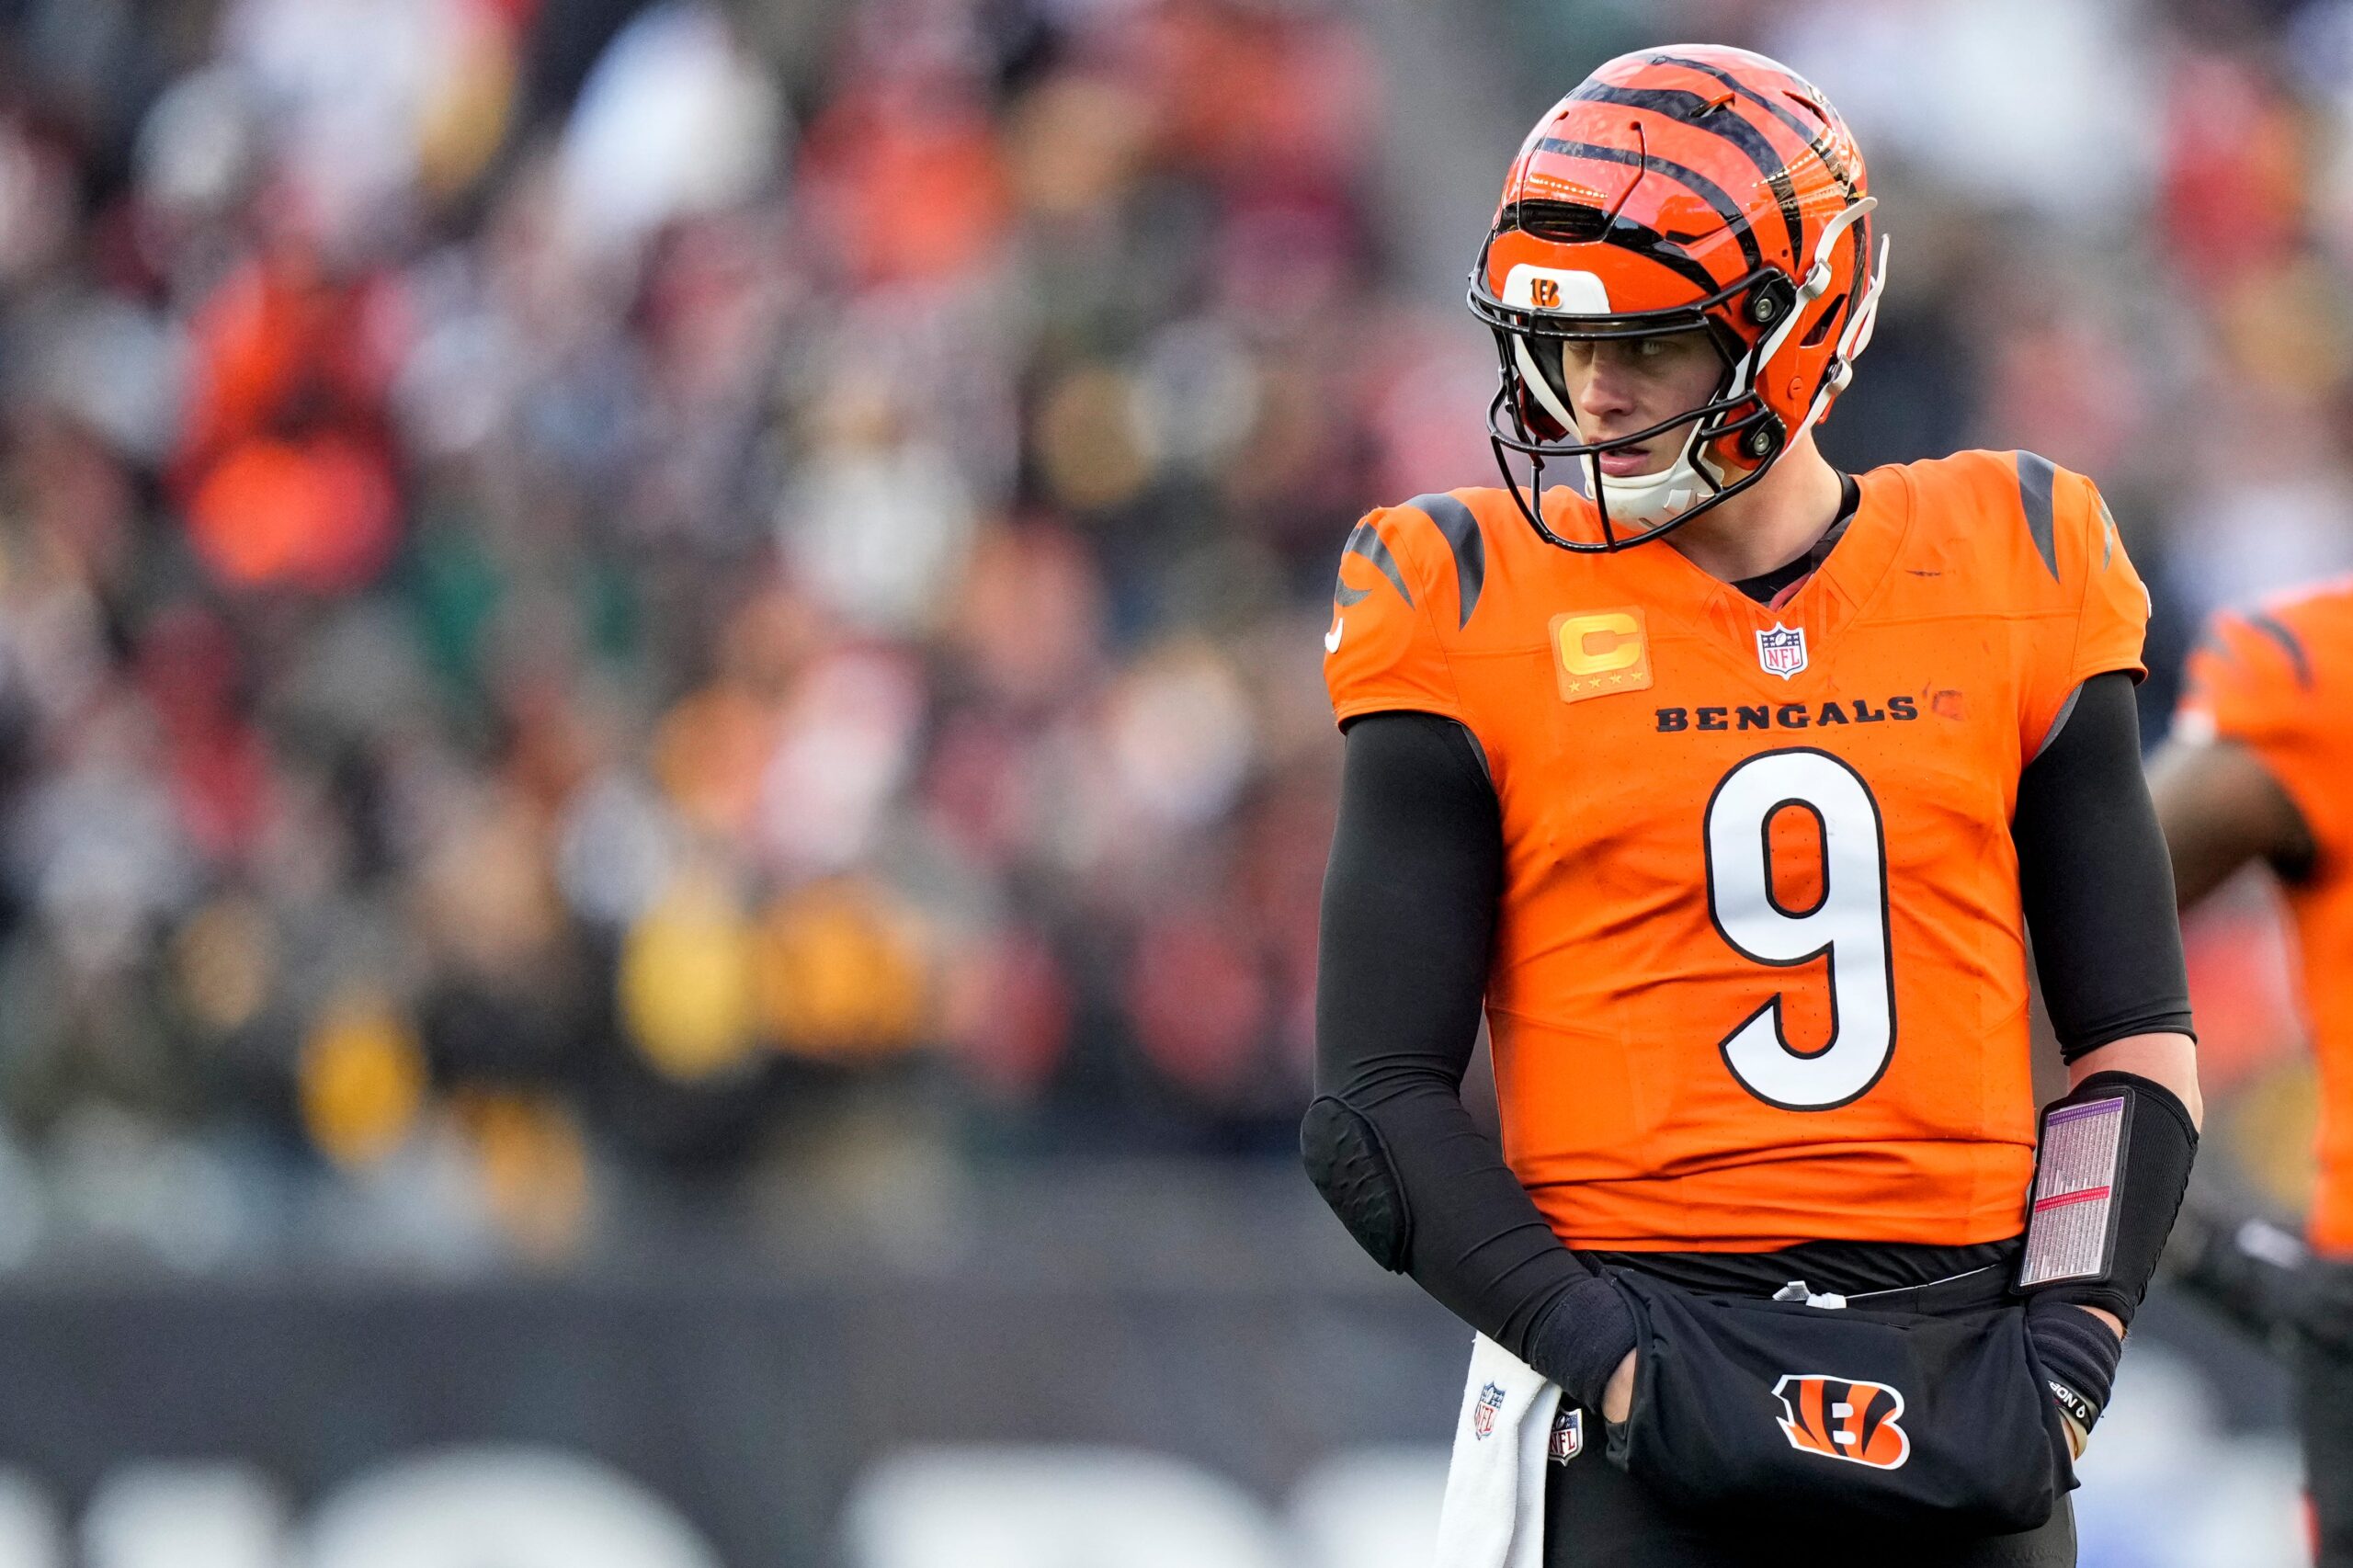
(1686, 187)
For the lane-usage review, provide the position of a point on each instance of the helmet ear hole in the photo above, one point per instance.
(1821, 328)
(1541, 392)
(1538, 420)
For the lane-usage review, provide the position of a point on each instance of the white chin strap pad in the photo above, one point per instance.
(1653, 497)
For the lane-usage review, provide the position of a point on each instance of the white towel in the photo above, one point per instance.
(1494, 1512)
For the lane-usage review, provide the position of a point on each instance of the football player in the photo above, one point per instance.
(1728, 787)
(2259, 768)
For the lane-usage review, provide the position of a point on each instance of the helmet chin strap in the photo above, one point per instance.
(1654, 497)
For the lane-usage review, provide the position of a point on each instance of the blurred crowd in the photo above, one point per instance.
(600, 597)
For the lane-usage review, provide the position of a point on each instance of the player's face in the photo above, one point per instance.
(1618, 386)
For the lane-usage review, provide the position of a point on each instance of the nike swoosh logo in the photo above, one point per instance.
(1331, 638)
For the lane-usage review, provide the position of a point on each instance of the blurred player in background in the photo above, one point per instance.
(2260, 768)
(1728, 788)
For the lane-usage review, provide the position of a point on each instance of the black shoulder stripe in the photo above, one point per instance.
(2271, 626)
(1460, 528)
(2036, 476)
(1366, 540)
(1692, 180)
(1692, 109)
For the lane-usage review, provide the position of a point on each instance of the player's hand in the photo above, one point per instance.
(2115, 1323)
(2078, 1436)
(1618, 1398)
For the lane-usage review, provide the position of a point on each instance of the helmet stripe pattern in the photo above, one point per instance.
(1629, 235)
(1739, 88)
(1714, 117)
(1692, 180)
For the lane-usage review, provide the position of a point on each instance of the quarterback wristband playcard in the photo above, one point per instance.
(2071, 1226)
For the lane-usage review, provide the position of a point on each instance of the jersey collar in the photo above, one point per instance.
(1719, 614)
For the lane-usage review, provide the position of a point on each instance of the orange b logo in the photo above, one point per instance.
(1843, 1420)
(1547, 293)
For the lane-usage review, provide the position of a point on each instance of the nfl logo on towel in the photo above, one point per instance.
(1568, 1435)
(1781, 651)
(1482, 1415)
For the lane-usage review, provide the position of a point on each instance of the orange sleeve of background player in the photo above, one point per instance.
(2253, 678)
(1383, 651)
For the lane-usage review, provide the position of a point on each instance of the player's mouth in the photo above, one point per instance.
(1628, 461)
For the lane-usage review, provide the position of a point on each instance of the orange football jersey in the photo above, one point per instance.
(2281, 682)
(1760, 968)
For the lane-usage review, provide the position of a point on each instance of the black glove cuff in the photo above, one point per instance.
(2078, 1354)
(1582, 1336)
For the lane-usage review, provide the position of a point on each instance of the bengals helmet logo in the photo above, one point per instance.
(1843, 1419)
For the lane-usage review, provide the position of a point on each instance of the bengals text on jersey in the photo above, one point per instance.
(2280, 682)
(1760, 972)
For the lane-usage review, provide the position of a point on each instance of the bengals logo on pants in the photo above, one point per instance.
(1843, 1419)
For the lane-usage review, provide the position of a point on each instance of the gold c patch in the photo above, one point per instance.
(1600, 652)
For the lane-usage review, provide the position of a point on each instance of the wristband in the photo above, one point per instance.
(1582, 1336)
(2079, 1354)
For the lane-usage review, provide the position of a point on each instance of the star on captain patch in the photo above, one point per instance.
(1781, 651)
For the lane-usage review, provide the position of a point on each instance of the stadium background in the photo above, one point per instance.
(662, 773)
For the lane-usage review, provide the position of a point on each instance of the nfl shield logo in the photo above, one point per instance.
(1781, 651)
(1482, 1415)
(1568, 1435)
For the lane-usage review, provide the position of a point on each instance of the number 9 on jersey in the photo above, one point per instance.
(1848, 923)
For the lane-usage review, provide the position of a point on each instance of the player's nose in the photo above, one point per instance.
(1606, 390)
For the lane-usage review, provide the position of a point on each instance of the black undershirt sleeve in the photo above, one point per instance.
(2096, 879)
(1409, 915)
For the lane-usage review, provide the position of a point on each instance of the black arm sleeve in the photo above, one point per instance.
(2096, 880)
(1409, 913)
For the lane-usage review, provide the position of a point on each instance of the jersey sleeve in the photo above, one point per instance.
(2110, 617)
(1382, 652)
(2254, 679)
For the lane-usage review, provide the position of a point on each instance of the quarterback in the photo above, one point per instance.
(2260, 767)
(1728, 789)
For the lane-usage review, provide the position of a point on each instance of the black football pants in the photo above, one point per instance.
(2323, 1363)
